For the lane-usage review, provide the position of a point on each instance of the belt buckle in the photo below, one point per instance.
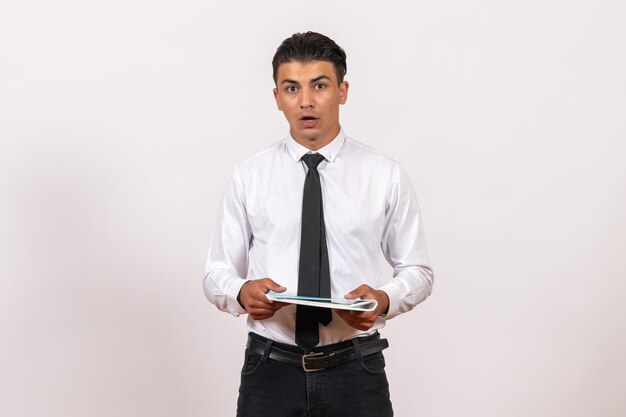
(310, 355)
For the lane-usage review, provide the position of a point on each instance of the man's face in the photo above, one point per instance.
(309, 97)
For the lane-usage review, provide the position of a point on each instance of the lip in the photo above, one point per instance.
(308, 121)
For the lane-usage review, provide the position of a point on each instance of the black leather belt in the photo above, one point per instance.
(317, 361)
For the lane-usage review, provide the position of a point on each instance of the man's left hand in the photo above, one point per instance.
(364, 320)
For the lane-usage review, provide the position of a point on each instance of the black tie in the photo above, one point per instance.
(314, 271)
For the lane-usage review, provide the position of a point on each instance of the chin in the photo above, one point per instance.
(309, 135)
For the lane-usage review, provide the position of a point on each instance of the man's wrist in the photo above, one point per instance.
(239, 295)
(385, 310)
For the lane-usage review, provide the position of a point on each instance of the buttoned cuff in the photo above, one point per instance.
(232, 292)
(394, 293)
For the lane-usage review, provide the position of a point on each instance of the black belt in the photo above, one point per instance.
(317, 361)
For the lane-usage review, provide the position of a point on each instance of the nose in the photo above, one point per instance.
(306, 99)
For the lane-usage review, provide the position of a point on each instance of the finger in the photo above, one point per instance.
(265, 313)
(363, 324)
(348, 316)
(358, 292)
(343, 314)
(261, 316)
(264, 302)
(257, 312)
(259, 298)
(277, 305)
(357, 319)
(270, 285)
(260, 304)
(264, 298)
(367, 317)
(260, 312)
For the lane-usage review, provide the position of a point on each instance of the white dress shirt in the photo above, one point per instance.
(370, 211)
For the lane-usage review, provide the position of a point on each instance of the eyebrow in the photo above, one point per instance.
(314, 80)
(321, 77)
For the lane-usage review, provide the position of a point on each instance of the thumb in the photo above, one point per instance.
(272, 286)
(358, 292)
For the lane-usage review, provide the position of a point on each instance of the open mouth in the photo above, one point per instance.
(308, 121)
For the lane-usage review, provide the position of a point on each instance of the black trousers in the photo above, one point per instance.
(274, 389)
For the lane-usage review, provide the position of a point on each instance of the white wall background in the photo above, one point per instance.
(120, 122)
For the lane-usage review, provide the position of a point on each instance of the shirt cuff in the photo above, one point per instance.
(232, 292)
(395, 294)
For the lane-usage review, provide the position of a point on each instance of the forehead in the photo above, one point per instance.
(305, 71)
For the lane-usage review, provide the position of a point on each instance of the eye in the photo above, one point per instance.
(320, 86)
(291, 89)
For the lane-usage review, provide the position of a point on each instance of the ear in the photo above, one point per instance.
(343, 92)
(277, 100)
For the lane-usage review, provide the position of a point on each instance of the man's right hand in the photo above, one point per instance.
(252, 298)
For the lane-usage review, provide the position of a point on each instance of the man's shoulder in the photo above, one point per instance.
(260, 159)
(368, 154)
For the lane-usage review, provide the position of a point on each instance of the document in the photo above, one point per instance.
(359, 304)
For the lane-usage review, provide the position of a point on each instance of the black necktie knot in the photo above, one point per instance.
(312, 160)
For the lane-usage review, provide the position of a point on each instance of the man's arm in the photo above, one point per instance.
(404, 247)
(227, 264)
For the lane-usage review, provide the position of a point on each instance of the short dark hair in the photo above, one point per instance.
(310, 46)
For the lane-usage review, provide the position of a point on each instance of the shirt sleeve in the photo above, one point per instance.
(404, 247)
(227, 263)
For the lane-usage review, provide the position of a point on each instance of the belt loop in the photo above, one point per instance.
(268, 347)
(357, 348)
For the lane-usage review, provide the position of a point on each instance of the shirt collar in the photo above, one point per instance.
(329, 151)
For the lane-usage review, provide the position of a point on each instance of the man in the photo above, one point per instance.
(311, 216)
